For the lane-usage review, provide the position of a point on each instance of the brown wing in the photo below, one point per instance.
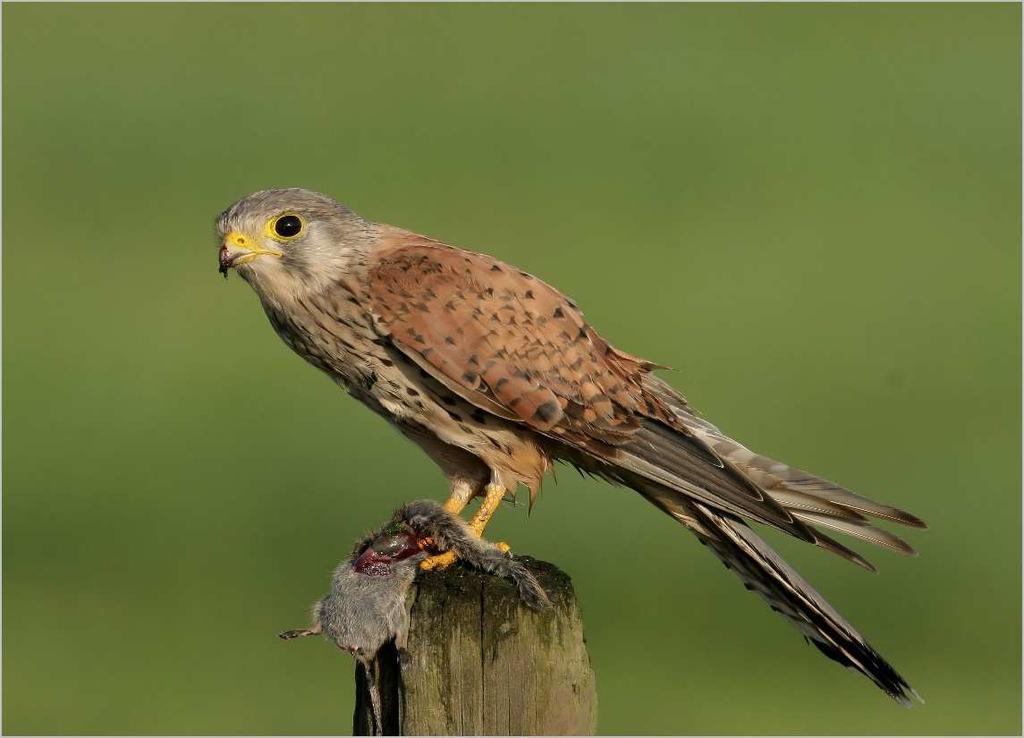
(509, 342)
(514, 346)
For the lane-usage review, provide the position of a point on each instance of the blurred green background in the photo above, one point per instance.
(811, 212)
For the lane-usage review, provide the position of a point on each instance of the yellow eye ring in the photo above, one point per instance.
(286, 227)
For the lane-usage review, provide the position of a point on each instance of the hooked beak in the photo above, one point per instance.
(240, 249)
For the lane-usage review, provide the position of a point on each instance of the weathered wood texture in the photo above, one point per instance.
(480, 663)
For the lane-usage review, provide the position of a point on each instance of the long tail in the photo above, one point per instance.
(813, 502)
(763, 571)
(711, 483)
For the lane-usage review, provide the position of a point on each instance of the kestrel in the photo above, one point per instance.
(496, 375)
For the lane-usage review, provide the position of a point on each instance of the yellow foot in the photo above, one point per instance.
(442, 561)
(439, 562)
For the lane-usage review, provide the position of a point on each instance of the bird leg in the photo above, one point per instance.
(493, 495)
(462, 492)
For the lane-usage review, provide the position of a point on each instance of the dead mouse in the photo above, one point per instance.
(365, 607)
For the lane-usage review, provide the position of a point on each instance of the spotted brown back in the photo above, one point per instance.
(506, 341)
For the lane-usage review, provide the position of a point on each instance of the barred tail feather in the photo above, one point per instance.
(763, 571)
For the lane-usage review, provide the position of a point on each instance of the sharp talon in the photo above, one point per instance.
(441, 561)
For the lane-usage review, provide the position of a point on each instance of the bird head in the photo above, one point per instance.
(289, 240)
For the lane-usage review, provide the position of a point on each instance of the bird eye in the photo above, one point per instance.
(288, 225)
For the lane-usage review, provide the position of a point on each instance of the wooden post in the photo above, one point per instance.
(480, 663)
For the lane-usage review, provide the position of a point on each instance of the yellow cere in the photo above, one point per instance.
(245, 243)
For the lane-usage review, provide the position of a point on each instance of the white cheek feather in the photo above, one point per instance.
(316, 266)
